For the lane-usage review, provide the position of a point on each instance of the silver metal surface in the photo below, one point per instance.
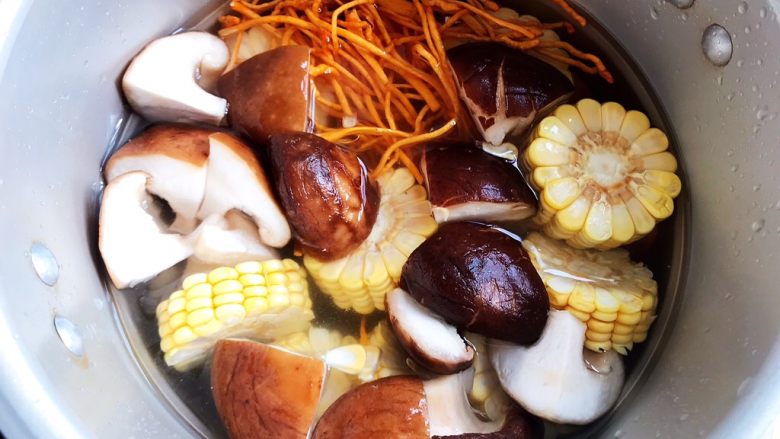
(70, 335)
(44, 263)
(716, 44)
(718, 375)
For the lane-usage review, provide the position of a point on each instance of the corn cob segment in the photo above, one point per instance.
(360, 280)
(259, 300)
(615, 297)
(605, 176)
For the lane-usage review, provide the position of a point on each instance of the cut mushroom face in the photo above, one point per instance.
(505, 90)
(326, 193)
(405, 406)
(171, 79)
(257, 395)
(465, 183)
(229, 240)
(271, 93)
(478, 279)
(175, 156)
(236, 181)
(428, 339)
(551, 378)
(134, 244)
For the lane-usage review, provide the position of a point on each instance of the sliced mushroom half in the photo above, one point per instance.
(176, 157)
(171, 79)
(465, 183)
(406, 406)
(236, 180)
(133, 241)
(504, 89)
(552, 379)
(428, 339)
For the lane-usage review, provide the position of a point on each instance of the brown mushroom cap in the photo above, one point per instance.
(392, 407)
(326, 193)
(465, 183)
(478, 279)
(175, 156)
(505, 89)
(270, 93)
(261, 391)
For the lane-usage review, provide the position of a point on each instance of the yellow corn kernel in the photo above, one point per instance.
(232, 301)
(361, 279)
(615, 297)
(604, 175)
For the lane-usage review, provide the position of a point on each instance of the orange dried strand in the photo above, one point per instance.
(563, 4)
(384, 61)
(411, 141)
(334, 25)
(234, 53)
(336, 135)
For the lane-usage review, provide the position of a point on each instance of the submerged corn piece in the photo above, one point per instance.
(604, 174)
(260, 300)
(616, 298)
(486, 394)
(360, 280)
(343, 353)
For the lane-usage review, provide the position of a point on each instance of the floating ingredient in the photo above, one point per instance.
(605, 176)
(258, 300)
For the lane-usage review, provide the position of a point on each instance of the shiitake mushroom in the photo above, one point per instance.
(325, 192)
(270, 93)
(504, 89)
(479, 279)
(466, 184)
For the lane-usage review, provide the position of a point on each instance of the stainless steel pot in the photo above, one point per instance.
(66, 369)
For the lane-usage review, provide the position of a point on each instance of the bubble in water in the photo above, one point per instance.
(763, 114)
(684, 417)
(742, 7)
(762, 12)
(653, 13)
(682, 4)
(716, 45)
(740, 63)
(719, 79)
(734, 168)
(756, 188)
(684, 16)
(757, 226)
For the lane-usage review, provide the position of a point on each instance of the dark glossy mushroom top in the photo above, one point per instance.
(479, 279)
(325, 192)
(459, 173)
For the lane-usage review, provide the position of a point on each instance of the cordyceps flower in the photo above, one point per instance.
(260, 300)
(604, 174)
(615, 297)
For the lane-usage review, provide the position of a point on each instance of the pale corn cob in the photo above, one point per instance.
(360, 280)
(615, 297)
(605, 176)
(342, 353)
(486, 394)
(260, 300)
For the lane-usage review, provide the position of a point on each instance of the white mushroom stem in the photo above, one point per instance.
(235, 180)
(551, 378)
(449, 410)
(134, 245)
(170, 79)
(229, 240)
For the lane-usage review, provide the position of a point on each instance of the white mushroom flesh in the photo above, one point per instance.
(235, 180)
(449, 411)
(229, 240)
(171, 79)
(134, 244)
(551, 378)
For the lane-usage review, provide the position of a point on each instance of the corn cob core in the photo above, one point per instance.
(260, 300)
(615, 297)
(360, 280)
(604, 174)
